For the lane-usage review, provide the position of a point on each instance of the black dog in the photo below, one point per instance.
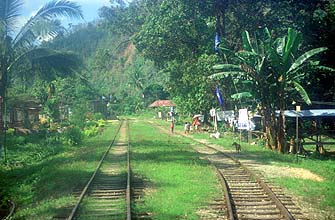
(237, 146)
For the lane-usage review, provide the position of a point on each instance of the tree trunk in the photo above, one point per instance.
(281, 140)
(3, 86)
(269, 128)
(220, 6)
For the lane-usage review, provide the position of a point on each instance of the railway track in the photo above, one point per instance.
(247, 196)
(107, 194)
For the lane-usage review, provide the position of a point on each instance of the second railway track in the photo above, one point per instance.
(107, 193)
(248, 196)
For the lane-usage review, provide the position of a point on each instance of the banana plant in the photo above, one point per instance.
(275, 68)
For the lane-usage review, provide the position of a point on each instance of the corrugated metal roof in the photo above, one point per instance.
(311, 113)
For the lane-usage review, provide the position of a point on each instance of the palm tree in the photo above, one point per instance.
(22, 47)
(275, 71)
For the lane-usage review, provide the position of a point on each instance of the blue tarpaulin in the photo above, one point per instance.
(307, 113)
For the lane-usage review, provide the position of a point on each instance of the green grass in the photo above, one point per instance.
(40, 179)
(41, 186)
(175, 173)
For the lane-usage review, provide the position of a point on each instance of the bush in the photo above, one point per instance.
(101, 123)
(97, 116)
(91, 131)
(72, 136)
(14, 140)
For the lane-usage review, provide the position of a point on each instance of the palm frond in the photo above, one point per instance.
(25, 42)
(59, 8)
(28, 55)
(62, 63)
(46, 30)
(48, 12)
(305, 57)
(9, 13)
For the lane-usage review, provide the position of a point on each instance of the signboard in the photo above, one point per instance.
(212, 112)
(243, 120)
(225, 115)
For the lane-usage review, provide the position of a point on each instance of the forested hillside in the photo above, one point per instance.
(176, 38)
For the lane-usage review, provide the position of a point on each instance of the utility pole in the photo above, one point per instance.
(297, 110)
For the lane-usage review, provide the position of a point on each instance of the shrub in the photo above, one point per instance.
(91, 131)
(97, 116)
(101, 123)
(72, 136)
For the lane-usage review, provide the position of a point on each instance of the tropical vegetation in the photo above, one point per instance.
(275, 72)
(139, 51)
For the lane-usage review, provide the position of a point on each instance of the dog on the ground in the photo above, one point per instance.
(237, 147)
(215, 135)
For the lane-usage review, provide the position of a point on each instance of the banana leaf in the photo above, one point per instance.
(246, 42)
(325, 68)
(222, 75)
(305, 57)
(226, 67)
(302, 92)
(240, 95)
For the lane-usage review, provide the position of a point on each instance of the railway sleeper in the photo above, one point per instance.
(257, 203)
(261, 218)
(248, 193)
(245, 198)
(110, 193)
(259, 207)
(245, 187)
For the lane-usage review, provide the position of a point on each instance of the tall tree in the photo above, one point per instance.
(23, 46)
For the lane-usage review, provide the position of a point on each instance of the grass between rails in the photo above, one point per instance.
(180, 183)
(42, 186)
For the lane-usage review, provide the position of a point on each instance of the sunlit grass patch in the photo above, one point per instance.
(180, 182)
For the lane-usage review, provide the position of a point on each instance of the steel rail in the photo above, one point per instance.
(267, 189)
(284, 211)
(128, 190)
(231, 213)
(83, 193)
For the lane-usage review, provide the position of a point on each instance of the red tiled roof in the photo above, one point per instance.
(160, 103)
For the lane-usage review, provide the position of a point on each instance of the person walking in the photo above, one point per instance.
(187, 128)
(171, 126)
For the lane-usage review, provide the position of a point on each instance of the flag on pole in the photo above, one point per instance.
(217, 42)
(219, 96)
